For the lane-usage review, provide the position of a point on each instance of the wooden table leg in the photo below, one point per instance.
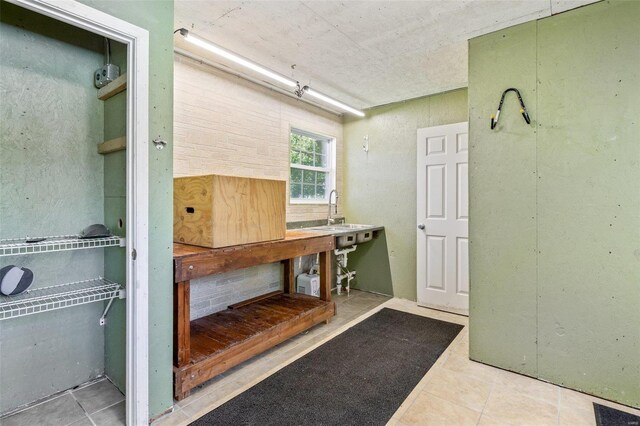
(289, 278)
(325, 276)
(181, 324)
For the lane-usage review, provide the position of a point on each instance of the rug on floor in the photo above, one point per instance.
(607, 416)
(360, 377)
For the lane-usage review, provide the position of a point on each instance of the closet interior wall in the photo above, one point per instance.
(53, 182)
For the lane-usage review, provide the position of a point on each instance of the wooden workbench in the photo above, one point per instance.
(208, 346)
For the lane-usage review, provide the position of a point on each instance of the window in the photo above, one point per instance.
(312, 159)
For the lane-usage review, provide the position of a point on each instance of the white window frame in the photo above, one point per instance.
(330, 169)
(137, 267)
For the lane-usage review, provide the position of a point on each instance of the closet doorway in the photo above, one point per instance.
(135, 238)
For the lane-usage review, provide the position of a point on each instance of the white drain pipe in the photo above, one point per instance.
(342, 260)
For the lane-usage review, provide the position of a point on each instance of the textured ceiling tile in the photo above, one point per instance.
(365, 53)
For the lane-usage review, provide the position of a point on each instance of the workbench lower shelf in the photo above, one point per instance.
(225, 339)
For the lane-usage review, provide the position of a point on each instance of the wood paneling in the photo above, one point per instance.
(220, 211)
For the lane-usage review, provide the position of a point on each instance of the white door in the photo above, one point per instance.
(443, 218)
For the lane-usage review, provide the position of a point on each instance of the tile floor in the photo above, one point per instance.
(98, 403)
(455, 391)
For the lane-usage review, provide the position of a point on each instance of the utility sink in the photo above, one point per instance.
(349, 226)
(348, 234)
(346, 240)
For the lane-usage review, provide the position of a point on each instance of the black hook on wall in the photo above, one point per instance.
(523, 109)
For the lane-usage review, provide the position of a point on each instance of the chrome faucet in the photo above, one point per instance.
(330, 219)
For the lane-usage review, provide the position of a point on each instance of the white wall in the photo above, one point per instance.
(226, 125)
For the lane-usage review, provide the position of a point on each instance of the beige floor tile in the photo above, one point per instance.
(408, 401)
(177, 418)
(529, 386)
(431, 410)
(461, 344)
(490, 421)
(459, 389)
(576, 405)
(462, 364)
(572, 416)
(211, 400)
(394, 422)
(575, 399)
(516, 408)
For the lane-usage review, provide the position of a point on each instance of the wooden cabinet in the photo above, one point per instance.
(219, 211)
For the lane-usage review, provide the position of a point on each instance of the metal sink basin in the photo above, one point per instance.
(347, 234)
(349, 226)
(346, 240)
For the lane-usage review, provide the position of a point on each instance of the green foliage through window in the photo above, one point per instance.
(309, 182)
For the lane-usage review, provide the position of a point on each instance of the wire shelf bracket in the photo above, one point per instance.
(60, 296)
(20, 246)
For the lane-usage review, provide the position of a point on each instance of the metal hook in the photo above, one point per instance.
(159, 143)
(299, 91)
(523, 109)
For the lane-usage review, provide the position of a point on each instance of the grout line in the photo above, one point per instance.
(559, 402)
(91, 420)
(89, 383)
(107, 407)
(29, 406)
(86, 415)
(493, 385)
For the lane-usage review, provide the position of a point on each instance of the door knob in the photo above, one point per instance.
(421, 227)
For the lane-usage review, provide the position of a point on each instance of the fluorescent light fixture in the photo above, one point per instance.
(213, 48)
(227, 54)
(332, 101)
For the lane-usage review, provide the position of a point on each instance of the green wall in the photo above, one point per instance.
(555, 206)
(157, 18)
(115, 211)
(380, 186)
(50, 184)
(56, 106)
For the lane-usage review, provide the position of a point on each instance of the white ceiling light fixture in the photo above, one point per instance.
(327, 99)
(247, 63)
(220, 51)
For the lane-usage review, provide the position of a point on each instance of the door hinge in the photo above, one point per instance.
(134, 254)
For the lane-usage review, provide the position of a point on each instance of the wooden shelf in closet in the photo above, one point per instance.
(112, 145)
(116, 86)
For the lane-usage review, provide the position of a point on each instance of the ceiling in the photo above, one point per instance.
(364, 53)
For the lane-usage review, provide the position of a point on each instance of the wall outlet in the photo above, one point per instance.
(106, 75)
